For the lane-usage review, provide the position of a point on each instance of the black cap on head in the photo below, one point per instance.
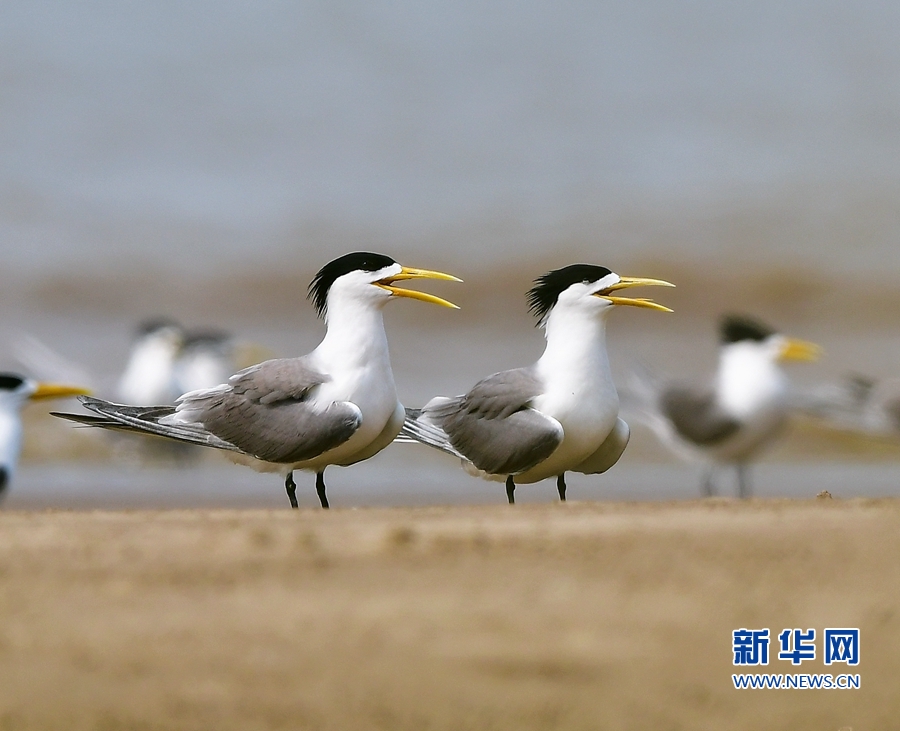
(206, 338)
(148, 327)
(548, 287)
(735, 328)
(10, 381)
(357, 261)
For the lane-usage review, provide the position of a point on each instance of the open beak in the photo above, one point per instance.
(56, 390)
(409, 273)
(625, 282)
(799, 350)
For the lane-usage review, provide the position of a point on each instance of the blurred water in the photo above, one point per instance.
(213, 135)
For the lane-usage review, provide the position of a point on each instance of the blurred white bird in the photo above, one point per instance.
(206, 359)
(149, 376)
(740, 413)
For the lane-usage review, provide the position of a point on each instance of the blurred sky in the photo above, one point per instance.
(208, 136)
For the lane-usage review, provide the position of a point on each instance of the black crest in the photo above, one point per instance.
(206, 339)
(548, 287)
(735, 328)
(357, 261)
(154, 325)
(10, 381)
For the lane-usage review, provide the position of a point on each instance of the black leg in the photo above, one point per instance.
(708, 486)
(511, 490)
(320, 488)
(291, 488)
(745, 489)
(561, 486)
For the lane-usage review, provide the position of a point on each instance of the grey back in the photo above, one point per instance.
(266, 413)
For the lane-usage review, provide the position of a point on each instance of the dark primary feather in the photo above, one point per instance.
(735, 328)
(549, 286)
(357, 261)
(143, 419)
(696, 416)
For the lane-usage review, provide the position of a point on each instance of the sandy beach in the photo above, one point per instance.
(556, 616)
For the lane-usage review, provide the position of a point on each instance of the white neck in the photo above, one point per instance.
(354, 338)
(575, 358)
(748, 379)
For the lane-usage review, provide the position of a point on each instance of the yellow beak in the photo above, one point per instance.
(410, 273)
(625, 283)
(56, 390)
(799, 350)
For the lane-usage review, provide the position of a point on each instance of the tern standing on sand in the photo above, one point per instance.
(335, 406)
(557, 415)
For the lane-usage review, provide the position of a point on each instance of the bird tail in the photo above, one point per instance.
(419, 427)
(143, 420)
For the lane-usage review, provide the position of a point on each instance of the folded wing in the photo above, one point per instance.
(696, 417)
(493, 425)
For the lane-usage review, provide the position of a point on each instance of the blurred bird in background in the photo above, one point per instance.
(856, 403)
(15, 392)
(164, 361)
(732, 420)
(149, 378)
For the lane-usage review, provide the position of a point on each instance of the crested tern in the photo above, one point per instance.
(559, 414)
(15, 392)
(741, 412)
(337, 405)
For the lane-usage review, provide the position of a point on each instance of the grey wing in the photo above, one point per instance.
(143, 420)
(609, 452)
(696, 417)
(266, 411)
(494, 427)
